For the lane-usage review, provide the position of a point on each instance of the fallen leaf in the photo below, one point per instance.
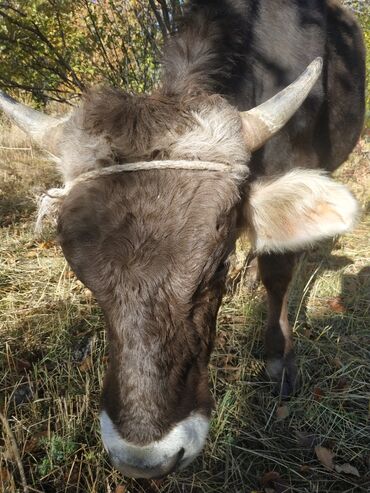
(347, 469)
(336, 305)
(4, 475)
(325, 456)
(318, 394)
(305, 468)
(120, 489)
(46, 245)
(282, 412)
(86, 364)
(269, 478)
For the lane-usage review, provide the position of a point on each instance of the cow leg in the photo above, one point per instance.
(276, 272)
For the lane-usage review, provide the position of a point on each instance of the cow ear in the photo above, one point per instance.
(296, 210)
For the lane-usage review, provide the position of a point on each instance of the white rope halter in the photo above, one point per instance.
(49, 202)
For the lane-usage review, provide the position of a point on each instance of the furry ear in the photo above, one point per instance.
(295, 210)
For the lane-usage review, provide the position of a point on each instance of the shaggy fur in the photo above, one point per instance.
(129, 252)
(111, 127)
(152, 246)
(296, 210)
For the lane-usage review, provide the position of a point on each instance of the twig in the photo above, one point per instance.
(17, 457)
(16, 148)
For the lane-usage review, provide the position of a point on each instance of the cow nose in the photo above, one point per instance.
(156, 459)
(143, 471)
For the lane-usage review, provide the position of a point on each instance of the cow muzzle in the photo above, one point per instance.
(174, 451)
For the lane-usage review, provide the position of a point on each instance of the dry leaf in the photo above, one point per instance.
(347, 469)
(318, 394)
(305, 468)
(46, 245)
(86, 364)
(4, 475)
(120, 489)
(336, 305)
(282, 412)
(269, 478)
(325, 456)
(272, 483)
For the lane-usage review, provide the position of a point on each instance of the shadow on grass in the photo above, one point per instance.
(329, 409)
(15, 208)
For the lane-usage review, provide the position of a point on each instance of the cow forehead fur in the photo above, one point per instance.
(113, 127)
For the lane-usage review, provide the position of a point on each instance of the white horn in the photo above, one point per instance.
(263, 121)
(44, 129)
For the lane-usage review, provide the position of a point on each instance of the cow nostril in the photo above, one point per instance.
(174, 451)
(180, 455)
(173, 466)
(158, 472)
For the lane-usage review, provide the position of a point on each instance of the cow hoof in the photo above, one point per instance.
(283, 372)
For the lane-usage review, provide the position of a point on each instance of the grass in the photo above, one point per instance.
(53, 357)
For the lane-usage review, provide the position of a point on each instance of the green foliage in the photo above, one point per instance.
(55, 48)
(58, 452)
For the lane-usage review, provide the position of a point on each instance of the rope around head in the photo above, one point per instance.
(49, 202)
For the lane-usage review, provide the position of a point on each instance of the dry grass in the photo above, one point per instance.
(50, 385)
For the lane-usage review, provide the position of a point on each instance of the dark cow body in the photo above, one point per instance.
(151, 236)
(260, 46)
(254, 48)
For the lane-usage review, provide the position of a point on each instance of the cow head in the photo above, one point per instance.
(152, 245)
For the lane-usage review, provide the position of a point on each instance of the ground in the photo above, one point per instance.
(52, 360)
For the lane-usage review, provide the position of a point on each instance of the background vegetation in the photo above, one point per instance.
(52, 339)
(53, 49)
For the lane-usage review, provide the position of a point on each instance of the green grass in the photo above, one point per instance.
(50, 393)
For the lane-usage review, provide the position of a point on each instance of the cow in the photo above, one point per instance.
(158, 187)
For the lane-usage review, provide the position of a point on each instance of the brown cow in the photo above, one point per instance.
(157, 189)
